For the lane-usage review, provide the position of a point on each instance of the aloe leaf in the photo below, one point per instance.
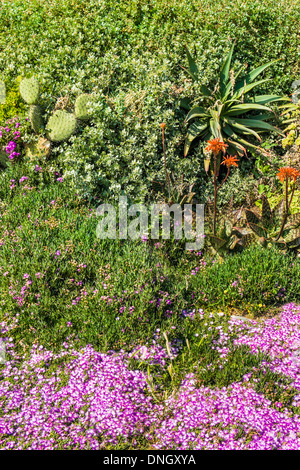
(278, 212)
(242, 128)
(263, 99)
(238, 146)
(215, 127)
(260, 231)
(258, 124)
(185, 103)
(193, 69)
(246, 107)
(216, 242)
(195, 130)
(293, 239)
(229, 131)
(229, 86)
(246, 88)
(248, 239)
(266, 212)
(254, 73)
(224, 75)
(293, 221)
(196, 112)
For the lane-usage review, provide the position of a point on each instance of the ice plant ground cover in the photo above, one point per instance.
(83, 399)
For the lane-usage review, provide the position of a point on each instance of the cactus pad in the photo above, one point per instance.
(36, 118)
(82, 106)
(61, 126)
(30, 90)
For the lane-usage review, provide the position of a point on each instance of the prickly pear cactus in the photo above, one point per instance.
(82, 106)
(61, 126)
(30, 90)
(36, 118)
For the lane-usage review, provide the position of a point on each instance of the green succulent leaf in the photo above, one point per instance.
(266, 211)
(248, 240)
(246, 88)
(293, 221)
(240, 127)
(216, 242)
(193, 69)
(196, 112)
(245, 108)
(224, 75)
(253, 74)
(264, 99)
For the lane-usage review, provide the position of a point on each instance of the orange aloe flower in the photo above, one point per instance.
(230, 161)
(215, 146)
(288, 173)
(163, 125)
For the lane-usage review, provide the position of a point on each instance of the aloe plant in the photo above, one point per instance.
(224, 111)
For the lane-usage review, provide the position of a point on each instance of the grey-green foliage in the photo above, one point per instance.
(36, 118)
(30, 90)
(61, 126)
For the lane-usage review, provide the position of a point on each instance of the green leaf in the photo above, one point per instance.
(225, 70)
(258, 124)
(248, 239)
(216, 242)
(244, 108)
(251, 217)
(185, 103)
(254, 73)
(263, 99)
(260, 231)
(278, 212)
(266, 212)
(196, 112)
(293, 238)
(246, 88)
(241, 128)
(293, 221)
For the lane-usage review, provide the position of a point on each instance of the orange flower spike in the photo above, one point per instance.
(230, 161)
(162, 125)
(288, 173)
(215, 146)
